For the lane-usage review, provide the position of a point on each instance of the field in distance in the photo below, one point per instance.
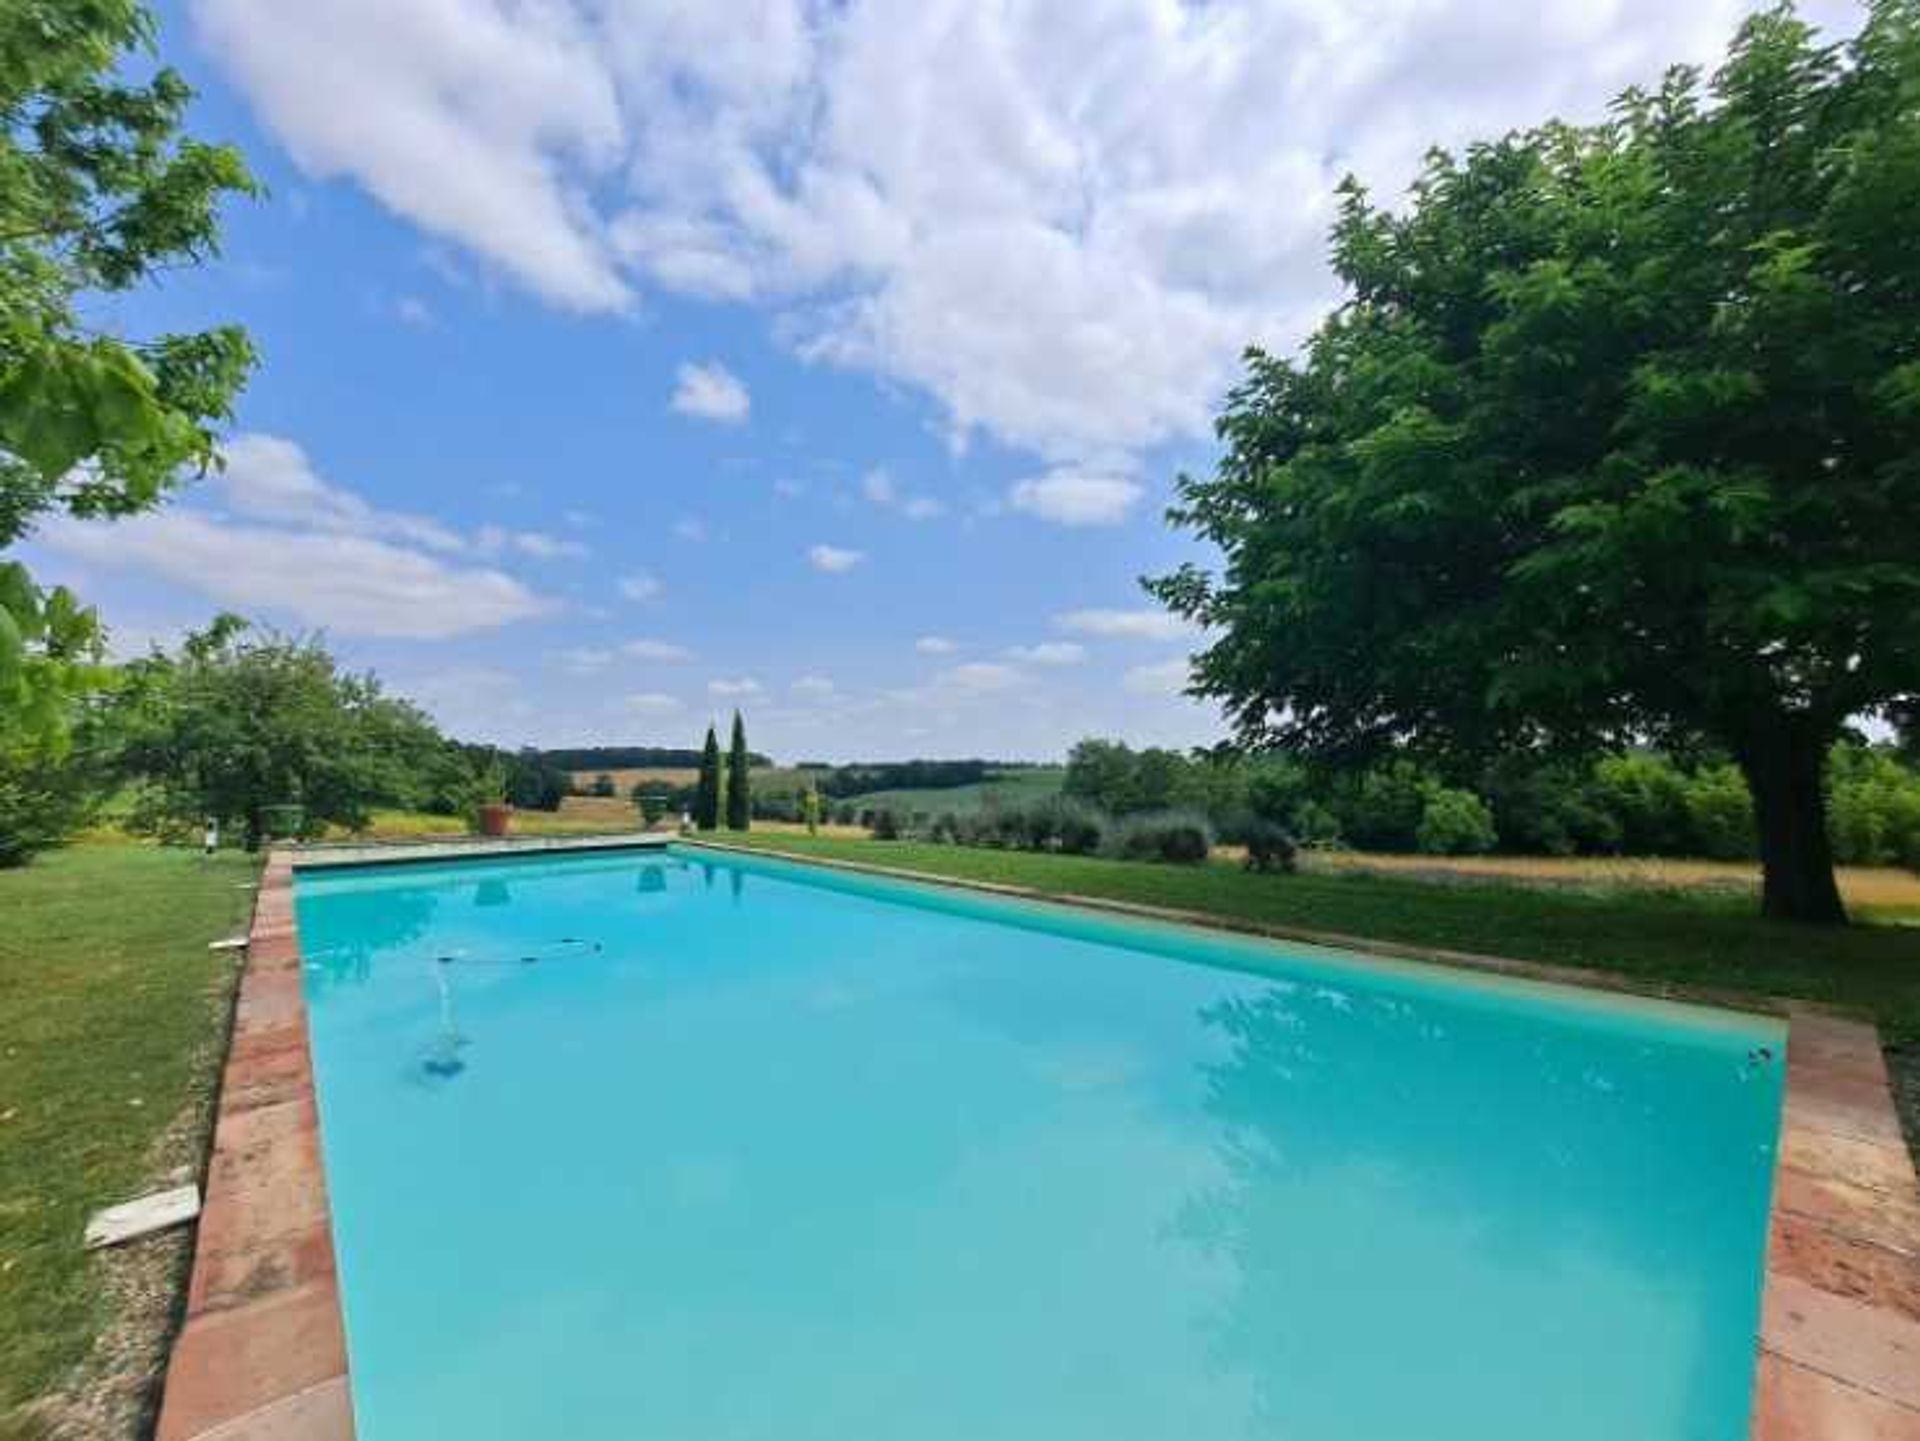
(772, 778)
(1020, 786)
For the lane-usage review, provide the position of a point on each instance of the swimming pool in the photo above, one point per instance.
(698, 1146)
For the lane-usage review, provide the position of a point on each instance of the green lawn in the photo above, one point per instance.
(1015, 787)
(111, 1001)
(1698, 940)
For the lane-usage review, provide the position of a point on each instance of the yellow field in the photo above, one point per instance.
(1864, 887)
(772, 777)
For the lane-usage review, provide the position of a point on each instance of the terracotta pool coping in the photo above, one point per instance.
(262, 1354)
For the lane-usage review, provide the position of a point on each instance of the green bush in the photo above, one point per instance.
(1269, 845)
(1873, 807)
(1454, 823)
(883, 823)
(1179, 837)
(1720, 814)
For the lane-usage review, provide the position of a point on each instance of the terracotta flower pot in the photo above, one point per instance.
(495, 818)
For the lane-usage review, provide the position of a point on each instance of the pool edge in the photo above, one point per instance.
(1838, 1356)
(261, 1354)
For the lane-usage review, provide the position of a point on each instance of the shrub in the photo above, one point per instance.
(1269, 845)
(1454, 823)
(603, 786)
(1720, 814)
(1179, 837)
(883, 823)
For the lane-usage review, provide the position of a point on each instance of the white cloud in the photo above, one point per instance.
(347, 584)
(1069, 497)
(650, 702)
(1167, 677)
(710, 392)
(690, 528)
(480, 123)
(269, 478)
(743, 686)
(412, 310)
(641, 586)
(1144, 624)
(833, 559)
(934, 645)
(583, 660)
(1069, 256)
(877, 485)
(815, 687)
(647, 648)
(1049, 652)
(977, 677)
(493, 539)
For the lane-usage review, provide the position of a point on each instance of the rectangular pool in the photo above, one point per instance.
(702, 1148)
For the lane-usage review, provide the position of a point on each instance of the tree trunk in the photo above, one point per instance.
(1785, 766)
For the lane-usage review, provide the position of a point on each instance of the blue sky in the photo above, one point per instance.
(627, 362)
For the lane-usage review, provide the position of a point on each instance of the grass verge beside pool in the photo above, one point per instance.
(111, 1013)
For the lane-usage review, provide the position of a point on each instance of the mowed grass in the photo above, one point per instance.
(111, 1006)
(1697, 939)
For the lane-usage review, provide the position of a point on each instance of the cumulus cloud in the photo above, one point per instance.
(934, 645)
(710, 392)
(641, 586)
(1142, 624)
(743, 686)
(648, 648)
(270, 478)
(583, 660)
(651, 702)
(977, 678)
(814, 687)
(1069, 497)
(347, 584)
(1067, 256)
(1049, 652)
(878, 486)
(1167, 677)
(833, 559)
(480, 123)
(494, 539)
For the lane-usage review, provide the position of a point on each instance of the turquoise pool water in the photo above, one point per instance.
(698, 1149)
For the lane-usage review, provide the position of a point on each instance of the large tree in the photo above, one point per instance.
(99, 192)
(240, 721)
(1615, 437)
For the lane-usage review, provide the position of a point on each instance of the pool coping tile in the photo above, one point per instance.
(262, 1354)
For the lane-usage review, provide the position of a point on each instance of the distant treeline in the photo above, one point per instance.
(916, 775)
(626, 758)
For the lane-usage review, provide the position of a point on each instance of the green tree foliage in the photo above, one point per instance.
(1613, 438)
(739, 778)
(1454, 823)
(98, 192)
(706, 795)
(604, 787)
(242, 720)
(811, 807)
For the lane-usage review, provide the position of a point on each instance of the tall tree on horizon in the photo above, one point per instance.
(1613, 440)
(739, 787)
(706, 793)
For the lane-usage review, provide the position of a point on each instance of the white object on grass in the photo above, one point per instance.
(231, 943)
(130, 1221)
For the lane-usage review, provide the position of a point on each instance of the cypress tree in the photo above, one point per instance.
(706, 794)
(739, 792)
